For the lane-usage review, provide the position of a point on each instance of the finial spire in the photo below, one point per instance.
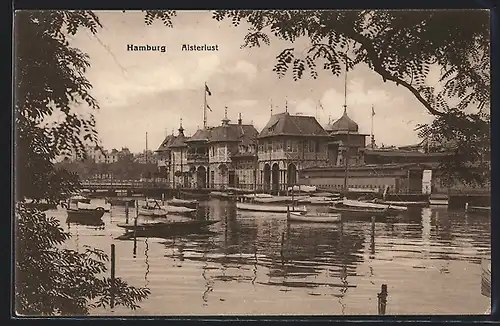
(271, 106)
(225, 121)
(286, 104)
(345, 85)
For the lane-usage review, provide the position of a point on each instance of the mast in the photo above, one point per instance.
(346, 156)
(205, 106)
(146, 147)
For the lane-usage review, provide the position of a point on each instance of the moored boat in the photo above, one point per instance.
(79, 207)
(221, 195)
(315, 217)
(167, 224)
(369, 204)
(183, 203)
(476, 209)
(268, 208)
(362, 212)
(152, 208)
(121, 202)
(401, 203)
(178, 210)
(319, 200)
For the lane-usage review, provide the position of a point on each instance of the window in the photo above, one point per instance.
(288, 146)
(295, 146)
(306, 146)
(269, 146)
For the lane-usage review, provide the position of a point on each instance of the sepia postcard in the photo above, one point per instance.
(252, 162)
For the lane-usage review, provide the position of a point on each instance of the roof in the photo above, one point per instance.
(166, 143)
(178, 141)
(292, 125)
(233, 133)
(201, 135)
(344, 124)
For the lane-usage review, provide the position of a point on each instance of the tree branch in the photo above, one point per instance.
(366, 43)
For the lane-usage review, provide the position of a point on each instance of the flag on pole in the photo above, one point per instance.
(208, 90)
(373, 111)
(208, 107)
(321, 106)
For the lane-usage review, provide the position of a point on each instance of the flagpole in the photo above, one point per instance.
(205, 107)
(371, 132)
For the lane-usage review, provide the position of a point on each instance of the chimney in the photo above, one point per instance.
(239, 119)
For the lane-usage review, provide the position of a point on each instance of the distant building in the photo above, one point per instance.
(346, 143)
(287, 144)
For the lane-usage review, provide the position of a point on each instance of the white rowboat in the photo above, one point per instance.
(315, 217)
(268, 208)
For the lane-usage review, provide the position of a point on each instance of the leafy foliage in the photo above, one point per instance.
(55, 281)
(50, 80)
(400, 46)
(468, 137)
(50, 83)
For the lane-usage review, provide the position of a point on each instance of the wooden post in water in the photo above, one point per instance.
(287, 212)
(113, 262)
(135, 227)
(382, 299)
(126, 212)
(282, 244)
(163, 199)
(373, 236)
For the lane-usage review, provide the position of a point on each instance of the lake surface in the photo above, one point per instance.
(429, 258)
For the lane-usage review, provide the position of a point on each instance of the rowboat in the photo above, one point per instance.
(167, 226)
(369, 204)
(152, 208)
(319, 200)
(197, 195)
(41, 206)
(79, 207)
(178, 210)
(315, 217)
(438, 202)
(121, 202)
(366, 212)
(79, 220)
(401, 203)
(268, 208)
(182, 202)
(221, 195)
(279, 199)
(475, 209)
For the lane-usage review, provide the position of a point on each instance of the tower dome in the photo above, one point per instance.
(344, 124)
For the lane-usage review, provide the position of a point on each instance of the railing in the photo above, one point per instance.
(197, 157)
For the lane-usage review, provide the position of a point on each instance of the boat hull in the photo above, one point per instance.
(268, 208)
(347, 211)
(438, 202)
(312, 218)
(183, 203)
(153, 212)
(165, 228)
(122, 202)
(41, 206)
(85, 213)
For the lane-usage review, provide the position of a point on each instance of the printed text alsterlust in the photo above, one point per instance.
(204, 47)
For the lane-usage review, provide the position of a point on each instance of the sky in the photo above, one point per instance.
(150, 92)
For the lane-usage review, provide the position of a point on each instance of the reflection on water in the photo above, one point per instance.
(257, 263)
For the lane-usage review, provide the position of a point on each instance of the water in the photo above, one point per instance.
(430, 260)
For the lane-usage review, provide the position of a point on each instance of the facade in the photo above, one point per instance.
(346, 145)
(400, 178)
(179, 169)
(287, 144)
